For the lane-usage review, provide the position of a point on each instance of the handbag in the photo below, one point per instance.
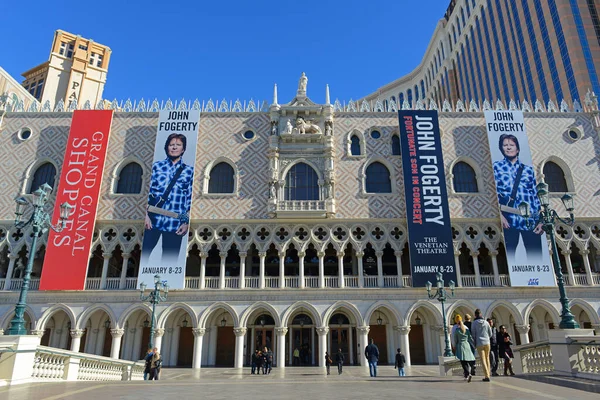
(507, 203)
(159, 201)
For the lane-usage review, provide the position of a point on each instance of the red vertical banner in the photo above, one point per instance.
(67, 253)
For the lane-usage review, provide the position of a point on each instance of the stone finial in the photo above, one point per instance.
(302, 83)
(275, 94)
(327, 100)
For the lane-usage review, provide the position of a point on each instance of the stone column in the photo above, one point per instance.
(282, 269)
(261, 271)
(222, 254)
(76, 335)
(281, 332)
(115, 346)
(457, 266)
(158, 336)
(9, 271)
(361, 270)
(588, 268)
(494, 255)
(474, 255)
(240, 334)
(363, 341)
(404, 342)
(439, 329)
(301, 256)
(567, 255)
(523, 333)
(104, 270)
(379, 255)
(340, 256)
(124, 270)
(198, 337)
(398, 255)
(203, 257)
(243, 256)
(322, 332)
(321, 255)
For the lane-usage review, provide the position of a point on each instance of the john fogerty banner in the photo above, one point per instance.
(167, 219)
(525, 242)
(67, 256)
(427, 213)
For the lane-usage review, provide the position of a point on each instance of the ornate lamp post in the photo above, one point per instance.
(40, 222)
(441, 294)
(154, 297)
(547, 218)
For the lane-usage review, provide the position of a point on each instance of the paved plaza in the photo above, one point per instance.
(308, 383)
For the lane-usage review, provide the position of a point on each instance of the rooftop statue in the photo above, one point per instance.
(302, 85)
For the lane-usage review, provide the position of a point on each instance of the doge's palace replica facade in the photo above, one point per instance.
(298, 232)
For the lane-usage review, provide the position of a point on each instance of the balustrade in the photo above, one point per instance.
(406, 280)
(351, 281)
(370, 281)
(596, 278)
(581, 279)
(390, 281)
(2, 282)
(113, 283)
(271, 282)
(468, 280)
(252, 282)
(92, 283)
(130, 283)
(537, 358)
(505, 280)
(49, 366)
(311, 281)
(291, 282)
(487, 281)
(192, 282)
(331, 281)
(211, 282)
(232, 282)
(301, 205)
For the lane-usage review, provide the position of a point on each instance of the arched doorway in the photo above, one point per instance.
(424, 337)
(303, 338)
(381, 324)
(220, 340)
(97, 338)
(137, 335)
(582, 317)
(178, 343)
(262, 333)
(57, 331)
(342, 335)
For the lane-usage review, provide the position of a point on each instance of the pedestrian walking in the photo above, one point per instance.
(400, 361)
(372, 355)
(482, 334)
(505, 341)
(156, 364)
(296, 356)
(493, 348)
(253, 362)
(147, 363)
(339, 359)
(268, 361)
(328, 362)
(462, 348)
(467, 323)
(259, 361)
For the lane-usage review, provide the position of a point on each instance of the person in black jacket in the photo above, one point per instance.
(372, 355)
(339, 359)
(327, 362)
(400, 361)
(505, 341)
(493, 348)
(148, 363)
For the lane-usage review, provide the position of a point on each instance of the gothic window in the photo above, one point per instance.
(44, 174)
(464, 180)
(555, 178)
(130, 179)
(302, 183)
(221, 178)
(378, 179)
(395, 145)
(355, 145)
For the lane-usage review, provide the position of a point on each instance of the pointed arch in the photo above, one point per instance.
(310, 309)
(7, 317)
(53, 310)
(166, 313)
(344, 305)
(352, 145)
(457, 304)
(30, 173)
(207, 173)
(366, 171)
(437, 314)
(91, 310)
(564, 168)
(546, 305)
(121, 165)
(206, 313)
(465, 175)
(512, 309)
(589, 310)
(129, 311)
(384, 304)
(257, 306)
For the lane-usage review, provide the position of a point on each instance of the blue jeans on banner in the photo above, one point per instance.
(373, 368)
(401, 372)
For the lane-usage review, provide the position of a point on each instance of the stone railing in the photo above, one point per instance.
(406, 281)
(23, 360)
(468, 281)
(450, 366)
(301, 205)
(536, 357)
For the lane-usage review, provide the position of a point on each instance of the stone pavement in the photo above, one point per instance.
(309, 383)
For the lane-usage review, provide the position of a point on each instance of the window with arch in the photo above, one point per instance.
(464, 178)
(221, 178)
(395, 145)
(555, 178)
(45, 173)
(355, 145)
(378, 179)
(130, 179)
(302, 183)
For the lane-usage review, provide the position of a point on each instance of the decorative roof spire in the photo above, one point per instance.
(327, 95)
(275, 94)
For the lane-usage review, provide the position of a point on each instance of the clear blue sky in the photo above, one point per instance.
(231, 49)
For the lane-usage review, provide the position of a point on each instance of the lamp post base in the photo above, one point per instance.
(568, 322)
(17, 327)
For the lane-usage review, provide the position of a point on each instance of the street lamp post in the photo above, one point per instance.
(441, 294)
(154, 297)
(40, 222)
(547, 218)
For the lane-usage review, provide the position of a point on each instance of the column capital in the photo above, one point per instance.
(198, 332)
(13, 256)
(240, 331)
(158, 332)
(474, 253)
(566, 252)
(281, 331)
(262, 254)
(126, 255)
(584, 252)
(379, 253)
(301, 254)
(320, 254)
(404, 330)
(77, 333)
(203, 254)
(398, 253)
(117, 332)
(243, 254)
(456, 253)
(281, 254)
(438, 328)
(106, 255)
(360, 254)
(363, 329)
(37, 332)
(222, 254)
(493, 253)
(522, 329)
(340, 254)
(322, 331)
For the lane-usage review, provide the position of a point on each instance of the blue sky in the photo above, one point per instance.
(231, 49)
